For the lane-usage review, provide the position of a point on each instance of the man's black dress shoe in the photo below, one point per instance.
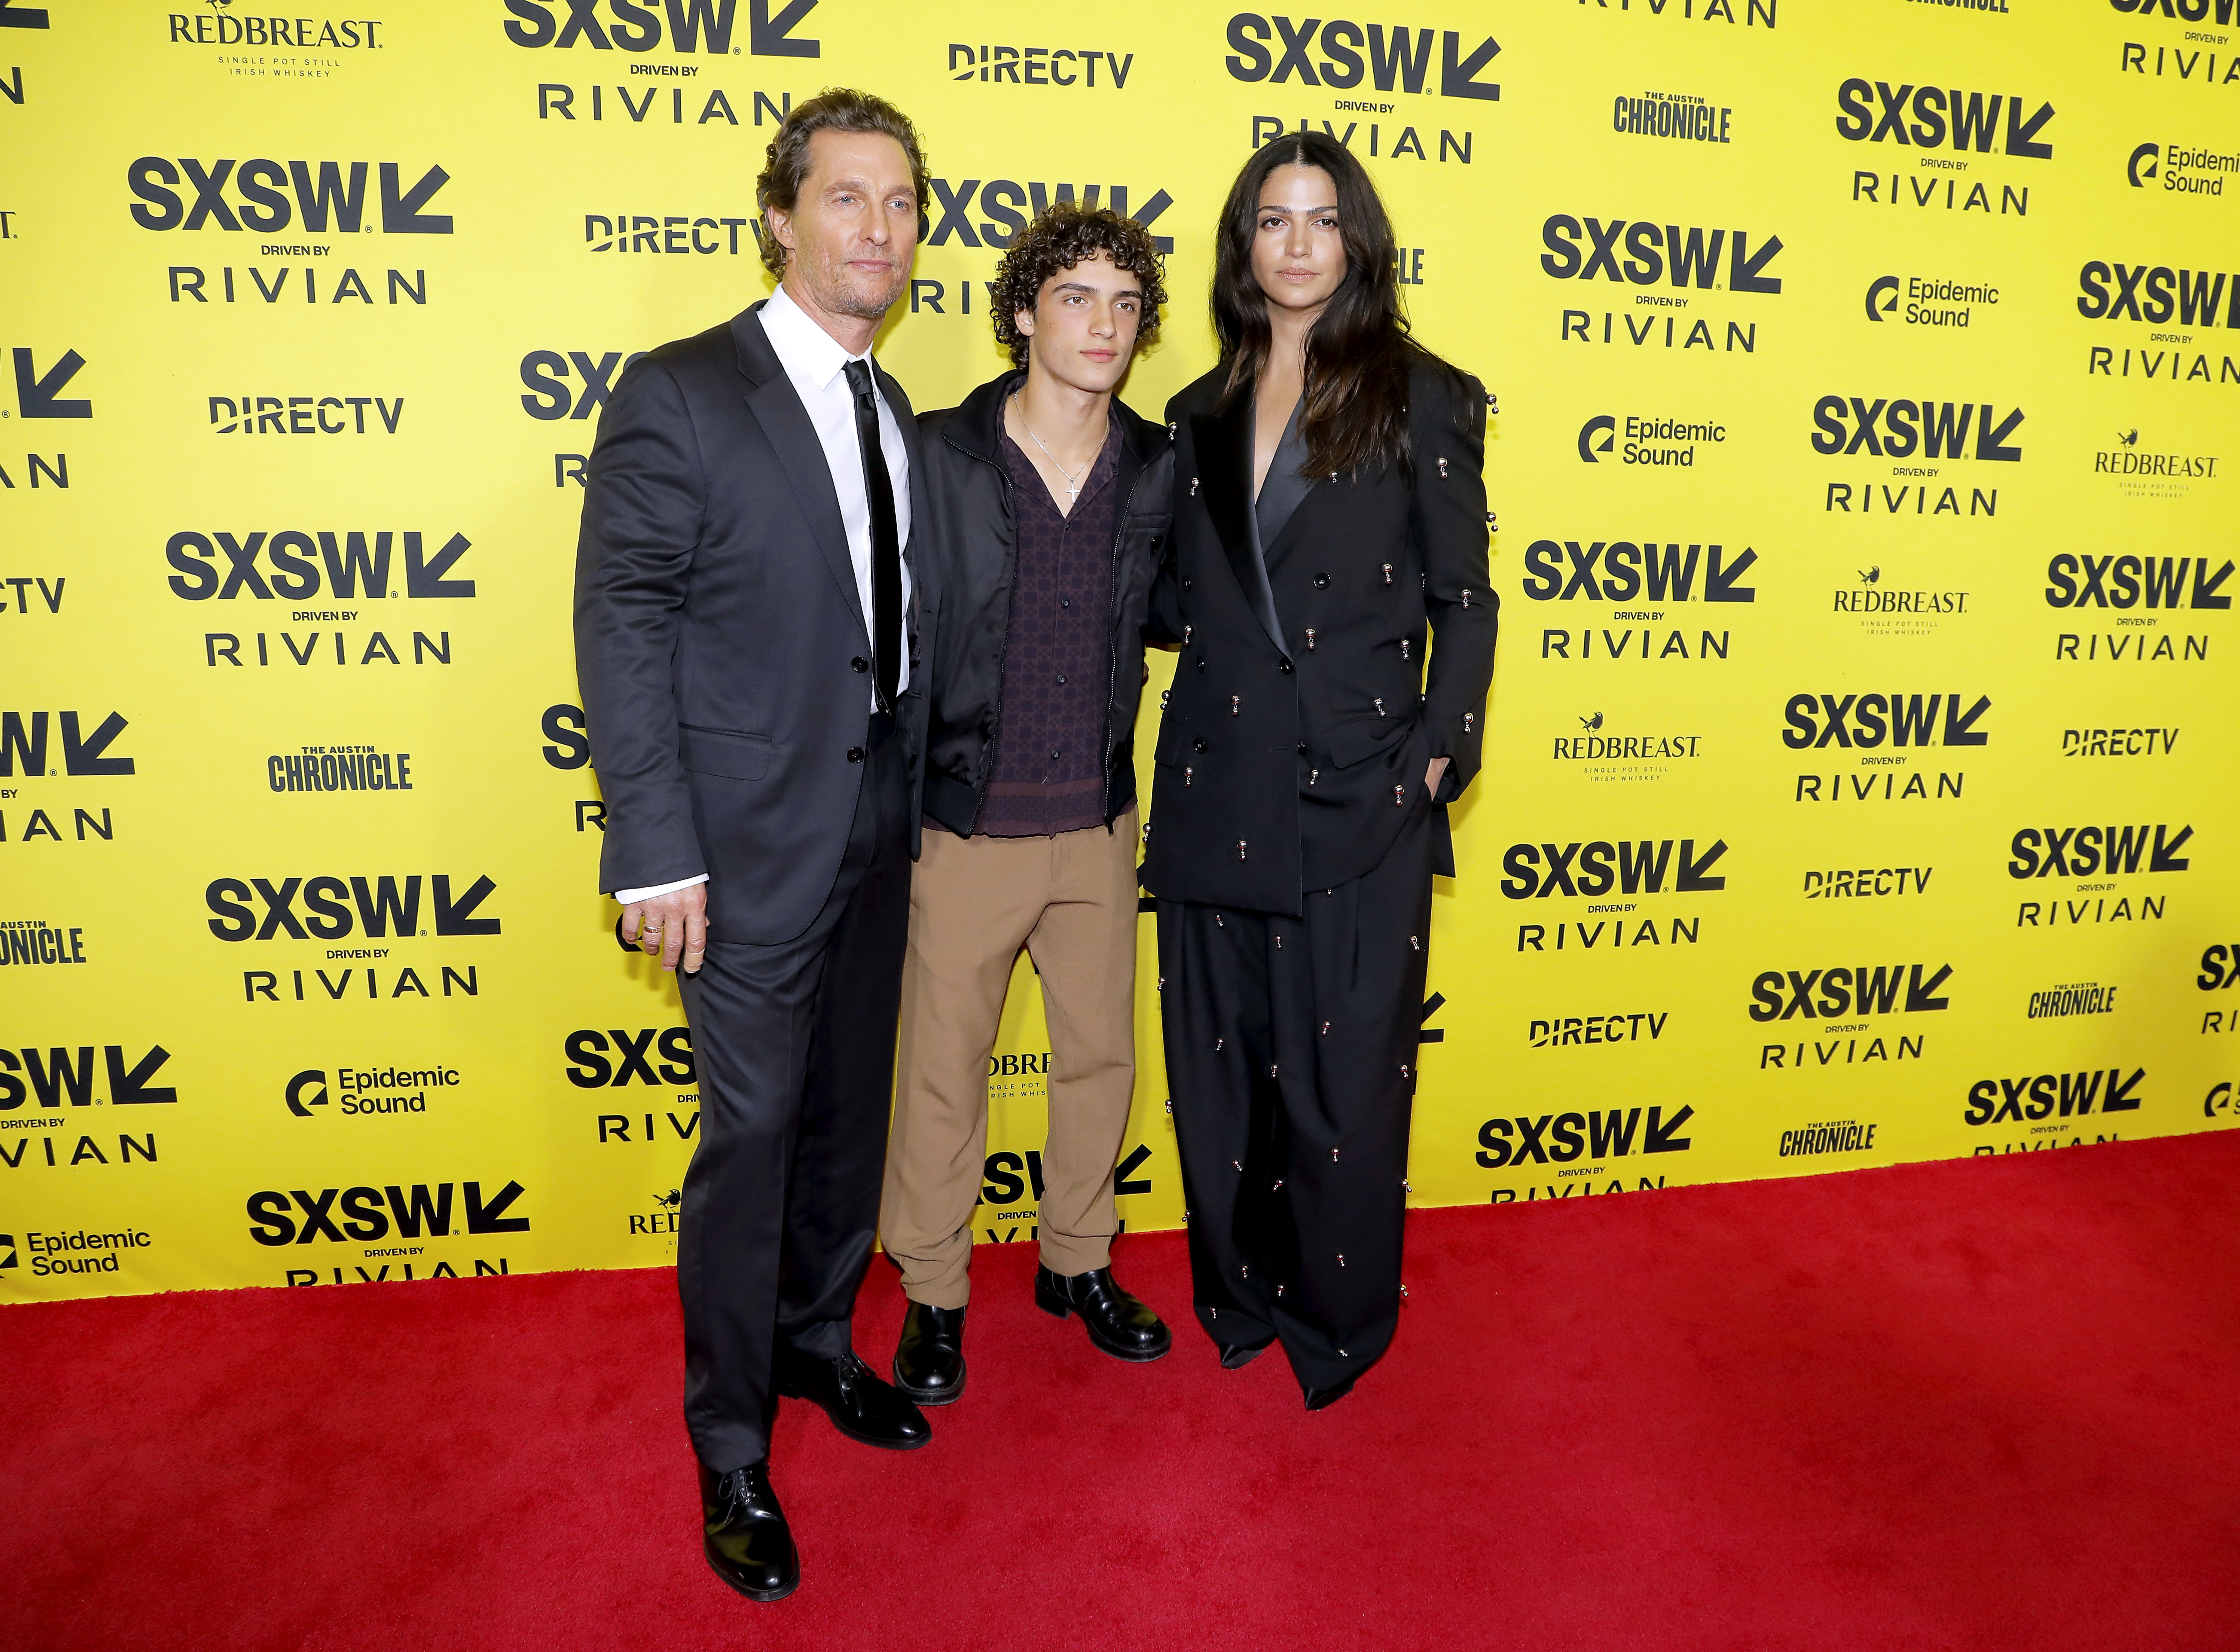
(1318, 1398)
(1234, 1357)
(861, 1406)
(1118, 1322)
(930, 1360)
(747, 1540)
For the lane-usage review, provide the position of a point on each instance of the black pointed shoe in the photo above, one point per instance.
(1234, 1357)
(746, 1539)
(1118, 1322)
(861, 1406)
(930, 1359)
(1318, 1398)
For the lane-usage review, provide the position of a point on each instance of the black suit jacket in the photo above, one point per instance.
(720, 643)
(1294, 741)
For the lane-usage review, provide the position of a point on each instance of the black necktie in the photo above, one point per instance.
(886, 553)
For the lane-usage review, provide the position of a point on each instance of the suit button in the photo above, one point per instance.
(1283, 665)
(855, 754)
(1186, 585)
(1199, 744)
(1321, 582)
(859, 663)
(1302, 748)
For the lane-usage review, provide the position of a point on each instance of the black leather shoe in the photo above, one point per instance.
(746, 1539)
(930, 1360)
(860, 1405)
(1318, 1398)
(1117, 1323)
(1234, 1357)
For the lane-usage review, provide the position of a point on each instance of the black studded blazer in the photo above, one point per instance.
(1293, 743)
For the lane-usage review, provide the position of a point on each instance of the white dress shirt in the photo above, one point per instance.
(816, 365)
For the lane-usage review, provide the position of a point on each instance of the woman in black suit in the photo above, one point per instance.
(1330, 513)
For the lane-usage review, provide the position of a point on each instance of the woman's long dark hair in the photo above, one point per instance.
(1359, 353)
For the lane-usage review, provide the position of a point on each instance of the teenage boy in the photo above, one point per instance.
(1051, 504)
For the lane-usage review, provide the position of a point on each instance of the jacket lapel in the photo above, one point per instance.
(924, 599)
(1223, 443)
(785, 424)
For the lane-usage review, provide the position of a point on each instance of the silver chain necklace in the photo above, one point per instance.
(1072, 487)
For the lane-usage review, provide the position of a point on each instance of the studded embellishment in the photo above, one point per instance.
(1279, 1290)
(1279, 943)
(1147, 831)
(1217, 1046)
(1399, 797)
(1171, 424)
(1163, 987)
(1271, 1070)
(1490, 522)
(1405, 1186)
(1187, 773)
(1326, 1029)
(1237, 1163)
(1443, 468)
(1341, 1263)
(1171, 1106)
(1415, 945)
(1186, 636)
(1333, 476)
(1387, 567)
(1240, 849)
(1313, 774)
(1236, 701)
(1279, 1188)
(1193, 487)
(1201, 661)
(1333, 1155)
(1404, 647)
(1470, 721)
(1244, 1272)
(1165, 696)
(1404, 1293)
(1380, 707)
(1466, 598)
(1311, 639)
(1492, 402)
(1404, 1069)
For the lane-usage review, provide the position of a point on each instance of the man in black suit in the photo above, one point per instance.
(748, 597)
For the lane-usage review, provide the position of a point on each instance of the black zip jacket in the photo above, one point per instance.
(975, 543)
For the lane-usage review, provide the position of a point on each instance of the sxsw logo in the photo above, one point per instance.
(1779, 994)
(262, 190)
(2193, 297)
(368, 1213)
(1650, 253)
(1396, 57)
(38, 395)
(1620, 571)
(614, 1058)
(1931, 118)
(1866, 721)
(2124, 582)
(635, 28)
(2181, 10)
(380, 906)
(1538, 871)
(1994, 1100)
(546, 372)
(295, 563)
(2087, 852)
(1007, 206)
(64, 1075)
(24, 736)
(1897, 428)
(1561, 1137)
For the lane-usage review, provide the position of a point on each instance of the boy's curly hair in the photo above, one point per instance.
(1064, 234)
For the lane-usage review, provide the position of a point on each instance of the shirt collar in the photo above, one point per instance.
(804, 350)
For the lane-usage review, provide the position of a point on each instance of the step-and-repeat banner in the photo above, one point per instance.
(1861, 786)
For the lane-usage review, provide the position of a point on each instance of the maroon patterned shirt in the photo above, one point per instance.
(1049, 776)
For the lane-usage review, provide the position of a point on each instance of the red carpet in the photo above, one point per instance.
(1978, 1405)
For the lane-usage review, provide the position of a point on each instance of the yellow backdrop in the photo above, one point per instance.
(1860, 786)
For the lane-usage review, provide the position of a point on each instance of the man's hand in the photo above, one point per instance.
(672, 926)
(1434, 775)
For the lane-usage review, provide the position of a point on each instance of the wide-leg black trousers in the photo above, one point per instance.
(1291, 1047)
(794, 1047)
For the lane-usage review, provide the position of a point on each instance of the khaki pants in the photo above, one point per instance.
(1070, 901)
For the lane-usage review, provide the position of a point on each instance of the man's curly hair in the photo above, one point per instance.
(1064, 234)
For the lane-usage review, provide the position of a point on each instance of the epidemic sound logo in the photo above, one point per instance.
(296, 560)
(1398, 56)
(2109, 291)
(1844, 1136)
(38, 395)
(1628, 571)
(1006, 207)
(1651, 441)
(368, 1091)
(638, 28)
(546, 371)
(64, 1075)
(1997, 1100)
(2095, 852)
(2182, 170)
(260, 187)
(1681, 259)
(1038, 66)
(28, 942)
(590, 1068)
(1846, 426)
(1866, 721)
(74, 1253)
(2126, 581)
(321, 34)
(1779, 994)
(24, 736)
(1539, 871)
(1931, 118)
(2079, 998)
(1559, 1138)
(414, 1212)
(1873, 596)
(380, 907)
(1929, 302)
